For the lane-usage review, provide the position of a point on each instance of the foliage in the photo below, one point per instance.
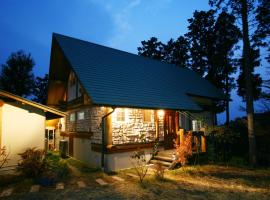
(57, 165)
(184, 150)
(151, 48)
(3, 156)
(40, 89)
(256, 79)
(223, 142)
(159, 171)
(32, 162)
(17, 76)
(138, 161)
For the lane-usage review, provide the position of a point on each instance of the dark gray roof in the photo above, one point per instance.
(117, 78)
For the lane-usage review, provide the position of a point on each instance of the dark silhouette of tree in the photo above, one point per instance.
(151, 48)
(40, 89)
(200, 37)
(244, 10)
(256, 79)
(17, 74)
(177, 52)
(227, 35)
(212, 41)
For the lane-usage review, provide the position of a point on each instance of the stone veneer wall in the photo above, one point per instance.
(134, 126)
(90, 123)
(122, 132)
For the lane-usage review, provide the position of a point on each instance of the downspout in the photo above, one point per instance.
(103, 148)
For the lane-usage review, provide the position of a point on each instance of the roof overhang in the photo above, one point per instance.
(50, 112)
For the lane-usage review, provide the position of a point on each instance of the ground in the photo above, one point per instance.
(199, 182)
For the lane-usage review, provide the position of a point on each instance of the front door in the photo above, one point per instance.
(169, 129)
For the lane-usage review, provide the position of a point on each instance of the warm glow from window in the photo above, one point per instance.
(161, 113)
(147, 115)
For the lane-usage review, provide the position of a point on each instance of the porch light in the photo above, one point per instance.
(160, 113)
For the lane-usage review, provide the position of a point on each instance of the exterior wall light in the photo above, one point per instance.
(161, 113)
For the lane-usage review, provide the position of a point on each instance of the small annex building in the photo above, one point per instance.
(22, 125)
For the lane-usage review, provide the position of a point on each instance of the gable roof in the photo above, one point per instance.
(54, 112)
(117, 78)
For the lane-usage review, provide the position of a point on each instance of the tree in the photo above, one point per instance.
(17, 74)
(40, 89)
(200, 36)
(177, 52)
(151, 48)
(244, 10)
(212, 41)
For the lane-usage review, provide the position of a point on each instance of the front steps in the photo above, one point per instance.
(165, 159)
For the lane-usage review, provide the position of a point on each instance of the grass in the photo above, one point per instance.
(193, 182)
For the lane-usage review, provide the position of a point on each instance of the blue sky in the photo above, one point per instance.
(121, 24)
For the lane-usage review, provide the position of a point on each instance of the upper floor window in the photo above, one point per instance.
(80, 115)
(147, 115)
(72, 117)
(120, 115)
(72, 79)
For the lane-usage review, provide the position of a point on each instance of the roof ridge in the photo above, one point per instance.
(126, 52)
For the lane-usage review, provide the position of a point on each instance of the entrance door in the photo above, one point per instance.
(169, 129)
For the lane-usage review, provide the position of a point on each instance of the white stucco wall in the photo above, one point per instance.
(22, 127)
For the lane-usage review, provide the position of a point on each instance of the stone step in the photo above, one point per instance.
(101, 182)
(6, 192)
(167, 153)
(60, 186)
(117, 178)
(34, 188)
(81, 184)
(132, 175)
(163, 163)
(164, 158)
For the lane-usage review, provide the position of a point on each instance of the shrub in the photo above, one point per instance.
(32, 163)
(159, 171)
(138, 161)
(3, 156)
(223, 143)
(184, 150)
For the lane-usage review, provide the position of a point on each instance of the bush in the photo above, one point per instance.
(223, 143)
(138, 161)
(159, 171)
(3, 156)
(32, 163)
(184, 150)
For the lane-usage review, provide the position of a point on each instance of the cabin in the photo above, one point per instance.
(23, 125)
(117, 102)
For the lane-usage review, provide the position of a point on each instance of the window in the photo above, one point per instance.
(121, 115)
(72, 117)
(80, 115)
(147, 115)
(72, 79)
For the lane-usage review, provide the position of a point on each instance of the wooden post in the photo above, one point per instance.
(181, 135)
(156, 124)
(203, 140)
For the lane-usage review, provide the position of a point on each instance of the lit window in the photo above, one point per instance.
(72, 117)
(121, 115)
(80, 115)
(147, 115)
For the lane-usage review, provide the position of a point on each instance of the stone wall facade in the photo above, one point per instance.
(134, 129)
(90, 123)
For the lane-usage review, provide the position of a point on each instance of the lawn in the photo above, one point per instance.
(199, 182)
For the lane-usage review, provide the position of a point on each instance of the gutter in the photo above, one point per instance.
(103, 139)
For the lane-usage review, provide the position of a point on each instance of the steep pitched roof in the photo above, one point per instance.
(117, 78)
